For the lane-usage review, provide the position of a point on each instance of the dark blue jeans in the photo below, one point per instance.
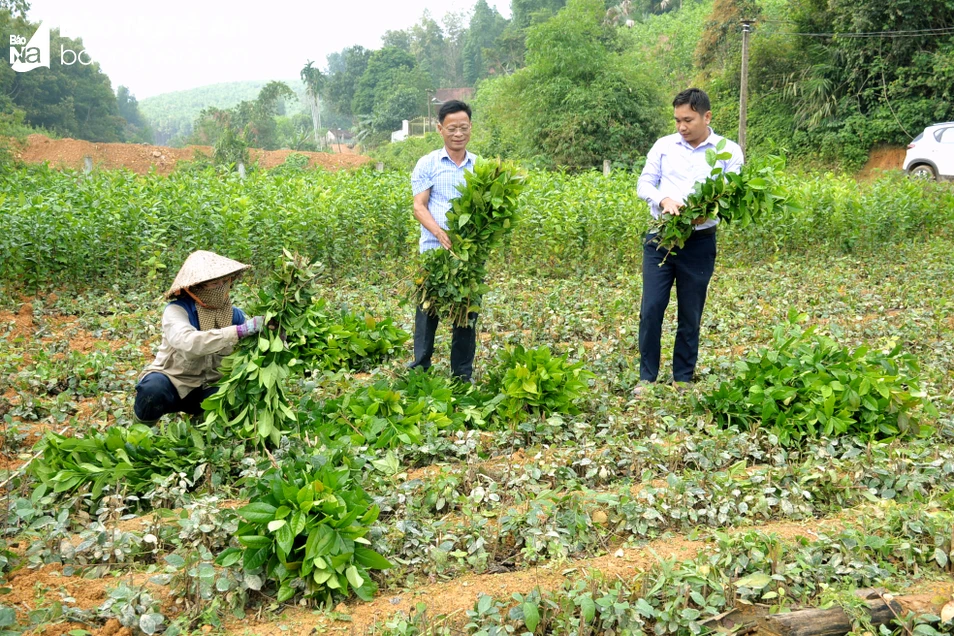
(463, 344)
(690, 269)
(156, 396)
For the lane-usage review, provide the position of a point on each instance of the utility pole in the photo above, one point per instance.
(744, 91)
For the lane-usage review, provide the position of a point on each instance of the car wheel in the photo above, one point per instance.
(923, 171)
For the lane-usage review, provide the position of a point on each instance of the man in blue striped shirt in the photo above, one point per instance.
(673, 167)
(434, 184)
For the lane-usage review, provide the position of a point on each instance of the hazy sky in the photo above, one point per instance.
(157, 47)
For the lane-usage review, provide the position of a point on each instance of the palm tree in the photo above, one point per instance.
(314, 82)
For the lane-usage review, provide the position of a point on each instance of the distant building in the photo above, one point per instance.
(339, 136)
(446, 94)
(422, 125)
(401, 135)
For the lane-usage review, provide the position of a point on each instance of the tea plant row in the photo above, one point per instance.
(117, 228)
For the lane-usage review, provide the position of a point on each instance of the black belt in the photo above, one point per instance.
(709, 231)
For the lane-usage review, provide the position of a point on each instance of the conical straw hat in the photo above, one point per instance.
(202, 266)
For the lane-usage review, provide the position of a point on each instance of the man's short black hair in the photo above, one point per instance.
(451, 107)
(696, 98)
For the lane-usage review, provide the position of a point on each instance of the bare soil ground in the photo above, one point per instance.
(142, 158)
(30, 588)
(20, 329)
(881, 159)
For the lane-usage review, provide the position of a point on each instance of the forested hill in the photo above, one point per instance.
(171, 115)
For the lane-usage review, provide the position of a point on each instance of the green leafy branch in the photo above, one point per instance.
(451, 283)
(739, 198)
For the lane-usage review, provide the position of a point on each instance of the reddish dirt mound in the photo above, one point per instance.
(883, 158)
(141, 158)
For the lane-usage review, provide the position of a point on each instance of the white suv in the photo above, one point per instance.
(931, 154)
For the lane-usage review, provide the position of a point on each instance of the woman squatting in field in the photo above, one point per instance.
(200, 326)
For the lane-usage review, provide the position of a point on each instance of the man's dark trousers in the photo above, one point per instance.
(463, 344)
(690, 268)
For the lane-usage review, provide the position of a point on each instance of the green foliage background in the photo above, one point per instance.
(565, 84)
(129, 230)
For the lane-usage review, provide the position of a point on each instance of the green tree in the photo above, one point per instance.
(390, 72)
(314, 83)
(345, 70)
(137, 128)
(884, 88)
(74, 100)
(577, 102)
(257, 118)
(486, 25)
(248, 124)
(528, 12)
(721, 39)
(396, 39)
(17, 8)
(454, 32)
(508, 52)
(427, 47)
(393, 107)
(384, 66)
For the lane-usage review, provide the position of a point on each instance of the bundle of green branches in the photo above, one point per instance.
(806, 385)
(251, 402)
(733, 197)
(346, 340)
(128, 459)
(451, 284)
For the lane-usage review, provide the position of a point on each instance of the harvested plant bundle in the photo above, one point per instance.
(806, 385)
(536, 382)
(122, 458)
(734, 197)
(252, 401)
(345, 340)
(452, 281)
(304, 533)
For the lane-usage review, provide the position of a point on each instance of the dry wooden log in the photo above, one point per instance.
(829, 622)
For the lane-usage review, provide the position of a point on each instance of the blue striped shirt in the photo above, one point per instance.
(437, 172)
(673, 168)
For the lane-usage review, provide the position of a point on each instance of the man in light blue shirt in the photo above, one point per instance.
(673, 166)
(434, 185)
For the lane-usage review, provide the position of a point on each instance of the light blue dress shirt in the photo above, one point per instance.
(673, 167)
(437, 172)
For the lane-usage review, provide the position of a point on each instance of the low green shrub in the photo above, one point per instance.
(807, 385)
(304, 533)
(537, 384)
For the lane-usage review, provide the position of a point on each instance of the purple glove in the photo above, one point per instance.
(250, 327)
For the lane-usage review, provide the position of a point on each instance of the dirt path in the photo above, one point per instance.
(456, 596)
(141, 158)
(33, 588)
(450, 599)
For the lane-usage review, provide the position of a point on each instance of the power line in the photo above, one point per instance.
(944, 31)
